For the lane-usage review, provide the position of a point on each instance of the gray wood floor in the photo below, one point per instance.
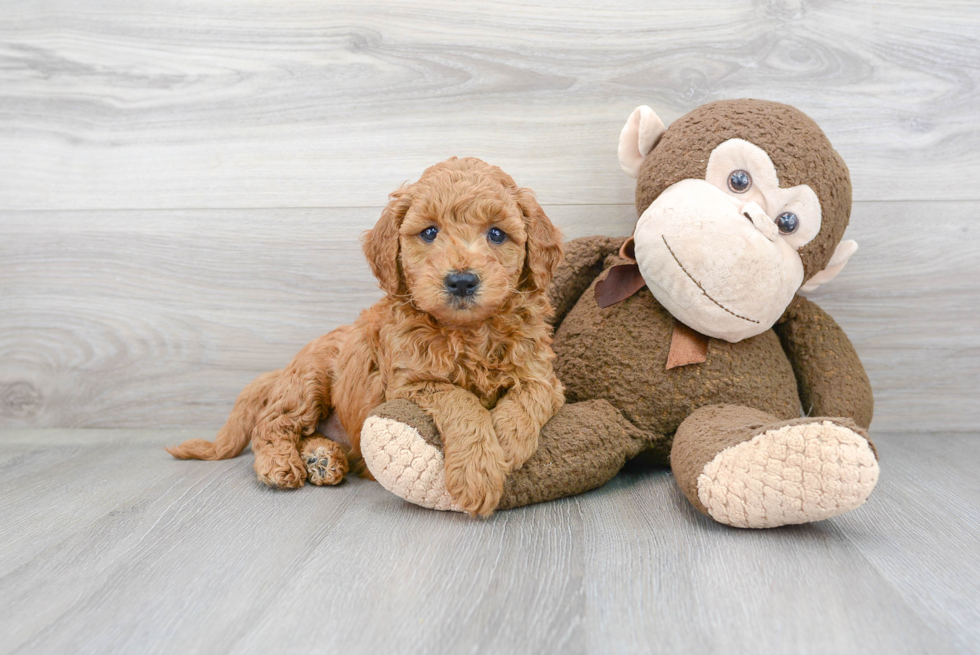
(182, 187)
(109, 546)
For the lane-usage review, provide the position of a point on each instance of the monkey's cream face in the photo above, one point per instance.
(721, 253)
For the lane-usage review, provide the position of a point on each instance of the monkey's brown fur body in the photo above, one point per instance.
(805, 361)
(481, 369)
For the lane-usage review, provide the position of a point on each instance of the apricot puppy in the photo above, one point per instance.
(464, 257)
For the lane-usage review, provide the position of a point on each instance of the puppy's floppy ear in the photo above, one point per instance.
(543, 246)
(381, 243)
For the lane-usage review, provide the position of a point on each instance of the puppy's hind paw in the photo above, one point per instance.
(280, 468)
(325, 462)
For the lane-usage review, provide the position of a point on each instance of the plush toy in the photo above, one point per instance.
(688, 341)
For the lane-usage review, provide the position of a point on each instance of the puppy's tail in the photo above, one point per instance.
(237, 431)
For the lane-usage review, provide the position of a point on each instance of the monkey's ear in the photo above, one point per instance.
(641, 133)
(841, 254)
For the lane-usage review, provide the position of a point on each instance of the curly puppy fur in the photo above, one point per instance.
(480, 365)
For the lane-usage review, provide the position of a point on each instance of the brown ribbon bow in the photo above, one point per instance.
(622, 281)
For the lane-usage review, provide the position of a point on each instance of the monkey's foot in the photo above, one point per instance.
(402, 449)
(325, 461)
(796, 473)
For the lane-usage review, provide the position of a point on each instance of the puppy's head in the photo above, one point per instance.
(462, 241)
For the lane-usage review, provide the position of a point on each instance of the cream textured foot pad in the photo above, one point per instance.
(405, 464)
(793, 474)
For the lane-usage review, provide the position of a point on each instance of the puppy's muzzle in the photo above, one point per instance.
(461, 284)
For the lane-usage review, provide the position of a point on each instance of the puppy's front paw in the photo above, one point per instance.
(280, 466)
(518, 439)
(475, 480)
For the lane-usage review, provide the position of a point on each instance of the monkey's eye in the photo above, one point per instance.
(739, 181)
(787, 222)
(496, 235)
(429, 234)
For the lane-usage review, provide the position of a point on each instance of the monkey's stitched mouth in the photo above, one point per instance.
(698, 284)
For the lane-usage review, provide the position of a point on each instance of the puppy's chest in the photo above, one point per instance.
(484, 368)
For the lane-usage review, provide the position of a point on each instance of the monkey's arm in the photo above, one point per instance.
(583, 263)
(831, 380)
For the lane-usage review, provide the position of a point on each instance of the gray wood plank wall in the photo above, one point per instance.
(182, 186)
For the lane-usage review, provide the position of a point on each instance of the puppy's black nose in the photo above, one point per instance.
(462, 283)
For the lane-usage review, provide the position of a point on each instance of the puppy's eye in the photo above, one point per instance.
(787, 222)
(496, 235)
(739, 181)
(429, 234)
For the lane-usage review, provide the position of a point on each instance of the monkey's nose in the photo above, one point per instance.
(462, 284)
(760, 219)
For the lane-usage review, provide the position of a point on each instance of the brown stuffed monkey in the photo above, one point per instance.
(688, 341)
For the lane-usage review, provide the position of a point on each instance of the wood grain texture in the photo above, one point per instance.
(922, 565)
(116, 319)
(181, 194)
(159, 318)
(128, 550)
(302, 103)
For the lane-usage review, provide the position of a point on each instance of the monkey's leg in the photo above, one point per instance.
(748, 469)
(581, 448)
